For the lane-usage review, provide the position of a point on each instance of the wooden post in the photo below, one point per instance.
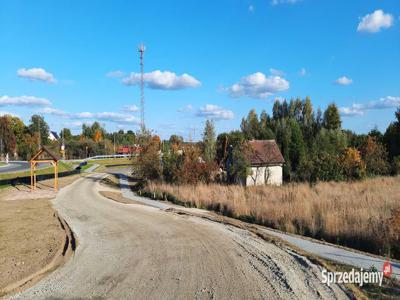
(31, 176)
(55, 165)
(34, 177)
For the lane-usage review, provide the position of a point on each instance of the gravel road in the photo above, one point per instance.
(140, 252)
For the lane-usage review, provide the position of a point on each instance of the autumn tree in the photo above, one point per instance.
(194, 169)
(98, 136)
(352, 164)
(147, 164)
(209, 142)
(7, 137)
(375, 157)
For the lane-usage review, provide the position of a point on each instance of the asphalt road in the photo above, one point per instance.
(135, 251)
(19, 166)
(15, 167)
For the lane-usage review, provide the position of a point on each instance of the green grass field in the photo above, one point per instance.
(2, 163)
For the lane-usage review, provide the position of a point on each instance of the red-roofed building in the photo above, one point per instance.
(128, 150)
(266, 163)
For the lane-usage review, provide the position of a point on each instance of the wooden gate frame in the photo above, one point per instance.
(35, 160)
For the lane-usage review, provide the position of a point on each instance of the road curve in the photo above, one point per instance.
(135, 251)
(15, 167)
(20, 166)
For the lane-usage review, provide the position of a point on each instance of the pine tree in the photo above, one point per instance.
(307, 112)
(252, 121)
(276, 110)
(332, 117)
(297, 149)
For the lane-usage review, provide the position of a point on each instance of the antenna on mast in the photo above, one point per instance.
(141, 51)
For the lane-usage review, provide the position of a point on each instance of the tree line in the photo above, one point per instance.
(21, 141)
(313, 144)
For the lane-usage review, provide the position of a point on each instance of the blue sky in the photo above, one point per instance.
(77, 61)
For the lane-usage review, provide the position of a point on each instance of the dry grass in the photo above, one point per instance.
(354, 214)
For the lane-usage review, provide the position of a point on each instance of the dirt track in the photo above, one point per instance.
(135, 252)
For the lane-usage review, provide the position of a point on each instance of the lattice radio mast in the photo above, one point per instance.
(141, 50)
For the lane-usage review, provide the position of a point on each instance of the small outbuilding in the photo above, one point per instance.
(266, 163)
(44, 155)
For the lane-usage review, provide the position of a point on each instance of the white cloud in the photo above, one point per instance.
(186, 108)
(54, 111)
(115, 74)
(115, 117)
(36, 74)
(107, 117)
(163, 80)
(344, 81)
(211, 111)
(258, 85)
(358, 109)
(375, 22)
(276, 72)
(130, 108)
(75, 124)
(277, 2)
(251, 8)
(302, 72)
(6, 113)
(100, 116)
(23, 101)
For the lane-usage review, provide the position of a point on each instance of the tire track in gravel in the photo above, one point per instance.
(135, 252)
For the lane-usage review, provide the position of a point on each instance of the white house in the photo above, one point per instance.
(53, 136)
(266, 163)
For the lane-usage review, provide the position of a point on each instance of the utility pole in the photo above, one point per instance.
(40, 137)
(141, 50)
(63, 144)
(114, 143)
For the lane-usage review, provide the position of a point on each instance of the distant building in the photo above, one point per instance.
(53, 136)
(266, 163)
(128, 150)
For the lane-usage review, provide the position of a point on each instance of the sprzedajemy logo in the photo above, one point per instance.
(360, 277)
